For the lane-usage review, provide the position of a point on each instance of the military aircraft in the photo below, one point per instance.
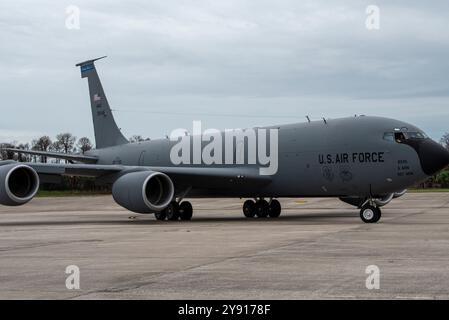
(364, 161)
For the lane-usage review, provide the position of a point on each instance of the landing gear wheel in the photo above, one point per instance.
(378, 215)
(172, 211)
(370, 214)
(262, 208)
(274, 209)
(160, 215)
(185, 210)
(249, 209)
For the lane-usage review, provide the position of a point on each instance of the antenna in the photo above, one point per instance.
(324, 119)
(308, 119)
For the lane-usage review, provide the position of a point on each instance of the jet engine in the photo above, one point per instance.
(19, 183)
(143, 191)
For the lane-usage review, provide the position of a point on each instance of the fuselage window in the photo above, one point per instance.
(389, 136)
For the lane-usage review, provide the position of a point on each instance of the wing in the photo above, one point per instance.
(206, 177)
(81, 170)
(202, 177)
(52, 172)
(57, 155)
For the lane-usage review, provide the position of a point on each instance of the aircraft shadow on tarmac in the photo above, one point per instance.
(316, 218)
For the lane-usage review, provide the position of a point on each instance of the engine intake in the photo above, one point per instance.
(143, 191)
(19, 183)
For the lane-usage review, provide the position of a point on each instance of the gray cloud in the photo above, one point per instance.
(283, 59)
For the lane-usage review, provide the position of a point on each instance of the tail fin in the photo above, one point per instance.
(107, 134)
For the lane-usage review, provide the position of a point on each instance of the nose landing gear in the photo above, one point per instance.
(370, 213)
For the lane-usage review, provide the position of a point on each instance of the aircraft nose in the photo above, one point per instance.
(433, 156)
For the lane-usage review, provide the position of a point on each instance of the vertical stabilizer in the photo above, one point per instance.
(107, 134)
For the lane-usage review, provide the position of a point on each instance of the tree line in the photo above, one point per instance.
(63, 143)
(441, 179)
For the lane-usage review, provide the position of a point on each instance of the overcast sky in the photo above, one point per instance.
(229, 63)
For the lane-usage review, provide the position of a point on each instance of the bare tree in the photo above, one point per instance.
(66, 141)
(56, 147)
(136, 138)
(23, 157)
(84, 144)
(445, 140)
(42, 144)
(6, 155)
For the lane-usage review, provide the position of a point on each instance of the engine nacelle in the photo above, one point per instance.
(143, 191)
(19, 183)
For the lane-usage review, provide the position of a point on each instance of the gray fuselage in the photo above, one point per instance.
(333, 158)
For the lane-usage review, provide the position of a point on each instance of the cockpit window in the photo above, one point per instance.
(389, 136)
(415, 135)
(400, 136)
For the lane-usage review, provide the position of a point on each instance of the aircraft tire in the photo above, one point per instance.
(262, 208)
(274, 209)
(185, 210)
(370, 214)
(160, 215)
(172, 211)
(249, 209)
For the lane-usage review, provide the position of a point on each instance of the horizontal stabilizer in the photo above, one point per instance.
(89, 61)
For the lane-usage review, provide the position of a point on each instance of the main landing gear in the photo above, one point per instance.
(370, 213)
(175, 211)
(262, 208)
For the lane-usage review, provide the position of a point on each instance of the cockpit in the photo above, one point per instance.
(402, 135)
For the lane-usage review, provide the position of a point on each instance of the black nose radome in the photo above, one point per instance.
(433, 156)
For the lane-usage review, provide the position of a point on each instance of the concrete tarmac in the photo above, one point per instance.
(318, 248)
